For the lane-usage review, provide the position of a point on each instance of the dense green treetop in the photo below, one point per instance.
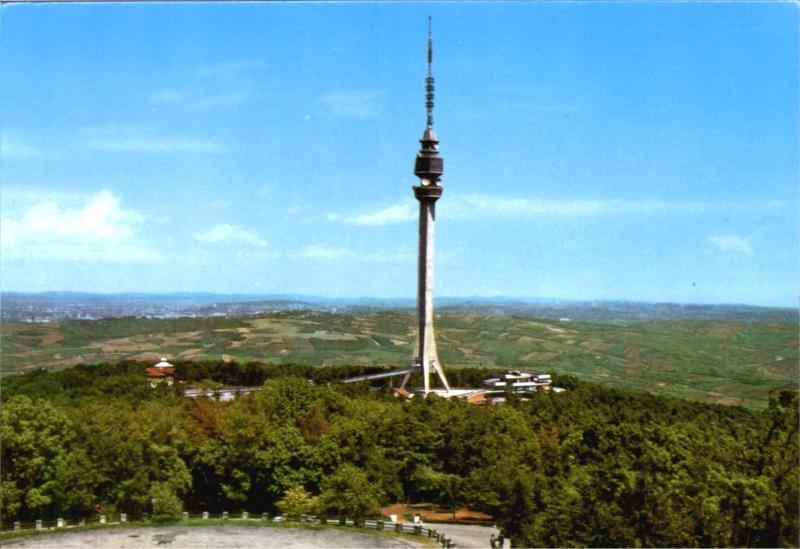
(592, 466)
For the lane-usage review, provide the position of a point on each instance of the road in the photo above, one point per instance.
(210, 537)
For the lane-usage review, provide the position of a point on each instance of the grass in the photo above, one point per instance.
(30, 532)
(713, 361)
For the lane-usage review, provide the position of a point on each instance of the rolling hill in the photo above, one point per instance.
(730, 362)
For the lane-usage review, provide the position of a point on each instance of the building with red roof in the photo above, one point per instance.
(163, 372)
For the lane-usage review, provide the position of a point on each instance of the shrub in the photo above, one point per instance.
(167, 506)
(298, 501)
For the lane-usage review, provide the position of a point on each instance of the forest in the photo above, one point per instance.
(592, 466)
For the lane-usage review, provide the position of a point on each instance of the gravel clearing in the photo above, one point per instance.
(210, 537)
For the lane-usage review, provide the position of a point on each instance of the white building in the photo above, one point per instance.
(519, 382)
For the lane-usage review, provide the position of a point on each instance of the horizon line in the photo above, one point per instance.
(296, 295)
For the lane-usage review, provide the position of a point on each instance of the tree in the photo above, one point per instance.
(298, 501)
(593, 466)
(167, 506)
(441, 487)
(131, 451)
(349, 492)
(37, 438)
(253, 458)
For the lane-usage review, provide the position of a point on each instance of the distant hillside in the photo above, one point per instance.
(57, 306)
(708, 360)
(624, 310)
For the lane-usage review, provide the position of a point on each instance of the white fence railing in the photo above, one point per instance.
(365, 524)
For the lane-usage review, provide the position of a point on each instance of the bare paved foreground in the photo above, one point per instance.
(466, 535)
(212, 537)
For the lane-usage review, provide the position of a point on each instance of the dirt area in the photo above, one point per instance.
(273, 328)
(179, 338)
(632, 352)
(123, 345)
(528, 340)
(144, 357)
(532, 325)
(596, 345)
(463, 535)
(211, 537)
(467, 352)
(276, 326)
(430, 513)
(329, 336)
(716, 398)
(51, 338)
(780, 369)
(249, 337)
(541, 356)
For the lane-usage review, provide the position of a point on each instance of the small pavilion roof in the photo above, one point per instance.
(164, 364)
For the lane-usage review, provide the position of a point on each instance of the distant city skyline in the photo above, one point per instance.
(594, 151)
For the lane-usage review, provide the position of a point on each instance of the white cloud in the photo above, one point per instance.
(220, 85)
(479, 205)
(390, 257)
(12, 146)
(233, 234)
(732, 243)
(169, 96)
(17, 197)
(398, 213)
(201, 100)
(138, 139)
(352, 104)
(99, 229)
(325, 252)
(317, 251)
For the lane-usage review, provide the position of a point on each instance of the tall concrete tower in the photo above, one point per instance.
(428, 167)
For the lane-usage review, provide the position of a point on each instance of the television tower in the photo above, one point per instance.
(428, 167)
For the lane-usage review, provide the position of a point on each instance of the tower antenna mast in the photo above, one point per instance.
(429, 82)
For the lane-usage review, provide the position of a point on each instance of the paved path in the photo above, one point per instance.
(465, 535)
(211, 537)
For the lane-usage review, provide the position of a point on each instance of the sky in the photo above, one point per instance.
(593, 151)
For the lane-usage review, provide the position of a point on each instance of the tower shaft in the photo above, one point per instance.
(425, 347)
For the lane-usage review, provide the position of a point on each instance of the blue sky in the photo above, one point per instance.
(592, 151)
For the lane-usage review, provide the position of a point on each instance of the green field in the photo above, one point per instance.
(713, 361)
